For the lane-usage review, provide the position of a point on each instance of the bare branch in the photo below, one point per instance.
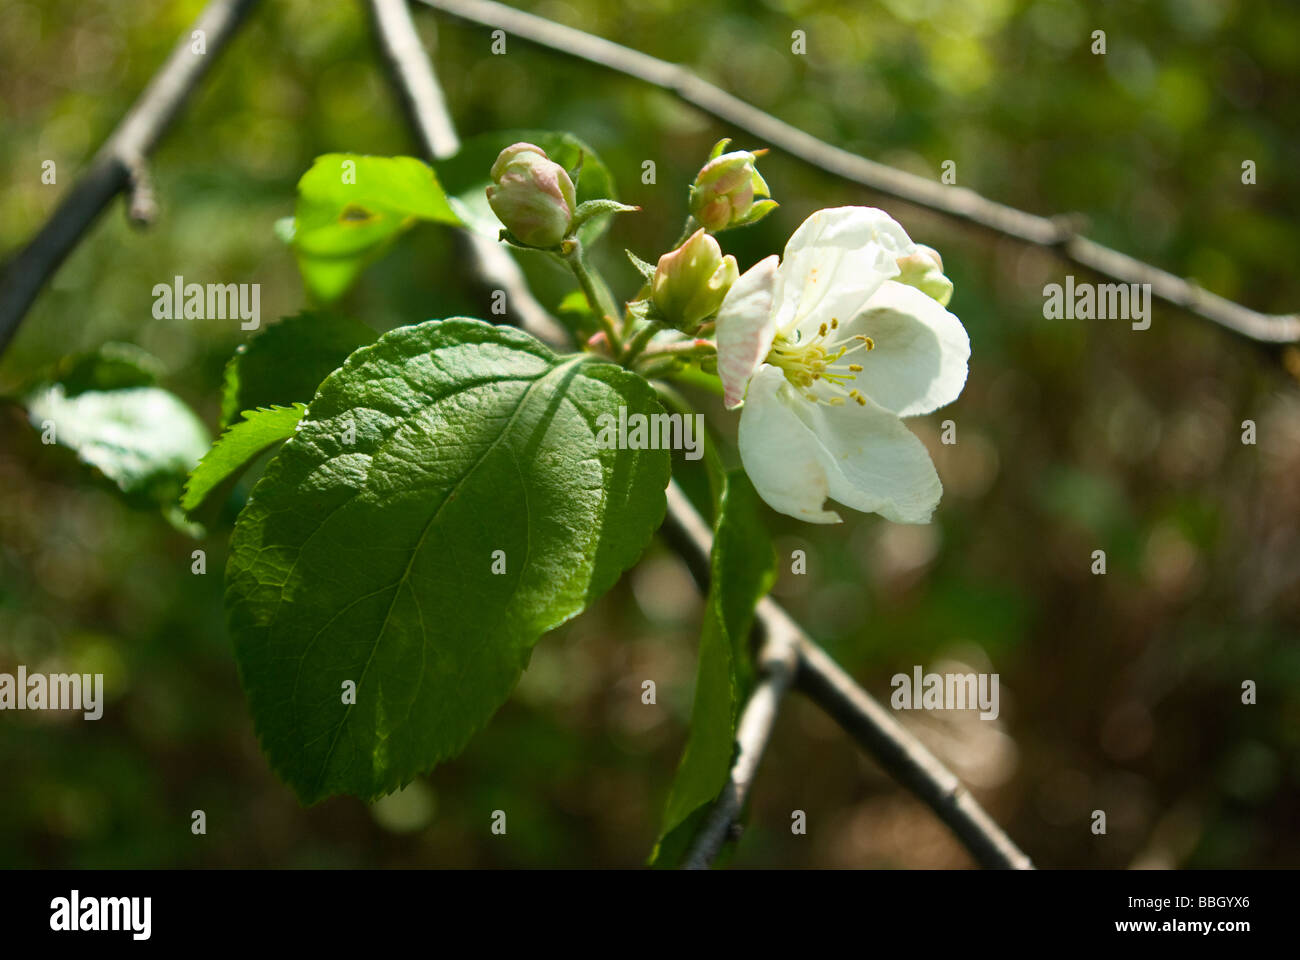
(906, 758)
(1056, 234)
(826, 684)
(414, 79)
(687, 533)
(118, 165)
(426, 109)
(777, 664)
(142, 203)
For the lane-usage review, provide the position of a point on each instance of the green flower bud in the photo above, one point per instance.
(923, 269)
(690, 282)
(729, 192)
(532, 195)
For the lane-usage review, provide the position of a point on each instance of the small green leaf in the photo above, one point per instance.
(445, 501)
(592, 208)
(286, 361)
(142, 439)
(743, 567)
(351, 207)
(235, 450)
(466, 177)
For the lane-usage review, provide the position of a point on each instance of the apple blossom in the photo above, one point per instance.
(689, 283)
(827, 352)
(532, 195)
(729, 191)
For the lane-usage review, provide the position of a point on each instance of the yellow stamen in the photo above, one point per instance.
(807, 361)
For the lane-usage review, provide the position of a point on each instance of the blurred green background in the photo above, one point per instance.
(1119, 692)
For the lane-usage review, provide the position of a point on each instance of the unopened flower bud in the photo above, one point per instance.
(691, 281)
(729, 192)
(532, 195)
(923, 269)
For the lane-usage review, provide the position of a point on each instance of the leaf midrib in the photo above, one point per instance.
(403, 581)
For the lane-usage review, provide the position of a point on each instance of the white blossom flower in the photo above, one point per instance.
(827, 351)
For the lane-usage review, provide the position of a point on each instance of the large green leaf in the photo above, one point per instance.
(286, 361)
(142, 439)
(234, 450)
(351, 207)
(466, 176)
(743, 567)
(371, 561)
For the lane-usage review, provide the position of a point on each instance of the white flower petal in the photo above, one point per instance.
(745, 329)
(783, 459)
(836, 260)
(873, 463)
(920, 359)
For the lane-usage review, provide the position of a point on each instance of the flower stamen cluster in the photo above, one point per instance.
(818, 362)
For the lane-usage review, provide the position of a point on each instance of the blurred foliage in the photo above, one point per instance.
(1119, 692)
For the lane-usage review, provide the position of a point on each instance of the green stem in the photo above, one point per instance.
(639, 342)
(658, 367)
(682, 349)
(597, 294)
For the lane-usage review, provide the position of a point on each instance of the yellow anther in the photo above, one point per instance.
(814, 360)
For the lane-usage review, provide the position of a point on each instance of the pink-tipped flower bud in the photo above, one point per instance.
(532, 195)
(690, 282)
(729, 191)
(923, 269)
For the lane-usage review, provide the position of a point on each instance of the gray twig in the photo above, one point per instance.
(823, 681)
(905, 757)
(119, 164)
(426, 109)
(777, 663)
(687, 533)
(1057, 234)
(142, 202)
